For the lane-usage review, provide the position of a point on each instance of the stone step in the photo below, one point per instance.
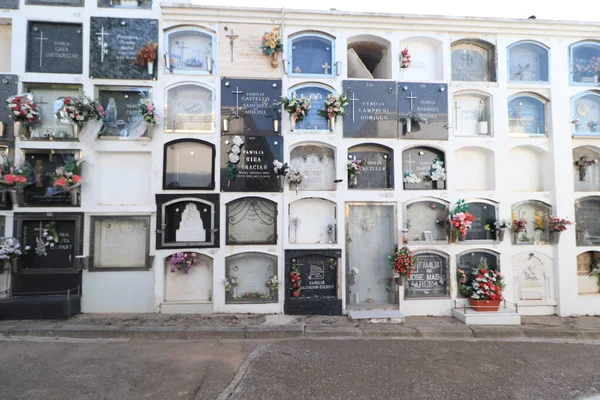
(375, 314)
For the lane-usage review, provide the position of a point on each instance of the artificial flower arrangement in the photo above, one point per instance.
(556, 224)
(295, 280)
(272, 283)
(272, 42)
(437, 172)
(13, 177)
(410, 177)
(231, 283)
(294, 178)
(355, 168)
(77, 110)
(23, 109)
(280, 169)
(402, 261)
(183, 262)
(146, 55)
(518, 225)
(10, 248)
(334, 106)
(49, 239)
(68, 176)
(539, 222)
(405, 56)
(460, 220)
(485, 287)
(148, 111)
(297, 108)
(233, 158)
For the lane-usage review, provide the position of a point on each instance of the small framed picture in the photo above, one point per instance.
(427, 236)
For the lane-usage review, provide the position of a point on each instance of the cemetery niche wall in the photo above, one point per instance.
(316, 93)
(529, 169)
(586, 114)
(425, 221)
(423, 110)
(139, 4)
(527, 62)
(427, 59)
(54, 47)
(372, 112)
(312, 220)
(187, 221)
(50, 127)
(530, 211)
(189, 164)
(527, 115)
(587, 224)
(486, 215)
(252, 278)
(311, 54)
(584, 63)
(533, 278)
(189, 108)
(316, 162)
(369, 57)
(8, 87)
(190, 50)
(475, 169)
(312, 282)
(473, 60)
(378, 173)
(586, 169)
(121, 110)
(472, 114)
(251, 220)
(417, 163)
(189, 291)
(430, 276)
(587, 281)
(469, 262)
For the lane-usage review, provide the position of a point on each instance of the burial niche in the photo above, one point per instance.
(44, 96)
(369, 57)
(429, 278)
(474, 169)
(189, 164)
(190, 50)
(469, 262)
(527, 62)
(425, 221)
(194, 286)
(189, 109)
(252, 278)
(473, 114)
(588, 282)
(586, 169)
(426, 59)
(316, 94)
(312, 220)
(125, 3)
(526, 115)
(121, 110)
(473, 60)
(417, 166)
(532, 211)
(486, 215)
(251, 220)
(317, 164)
(120, 243)
(528, 170)
(586, 114)
(533, 276)
(311, 54)
(378, 169)
(587, 223)
(585, 63)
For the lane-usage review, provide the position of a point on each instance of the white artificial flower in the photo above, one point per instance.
(235, 149)
(278, 164)
(238, 140)
(234, 158)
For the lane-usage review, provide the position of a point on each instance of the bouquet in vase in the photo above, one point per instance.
(68, 176)
(10, 248)
(460, 220)
(272, 42)
(297, 108)
(13, 177)
(23, 109)
(294, 178)
(334, 106)
(558, 224)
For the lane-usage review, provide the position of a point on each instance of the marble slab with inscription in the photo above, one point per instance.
(423, 110)
(429, 277)
(317, 165)
(419, 160)
(54, 48)
(372, 110)
(379, 171)
(41, 192)
(485, 214)
(59, 256)
(121, 108)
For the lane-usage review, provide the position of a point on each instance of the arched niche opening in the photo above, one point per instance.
(473, 60)
(190, 50)
(316, 162)
(417, 163)
(378, 173)
(189, 164)
(311, 54)
(527, 115)
(427, 59)
(533, 276)
(473, 114)
(474, 169)
(530, 211)
(369, 57)
(587, 281)
(251, 220)
(585, 113)
(587, 221)
(189, 108)
(194, 286)
(529, 170)
(316, 93)
(469, 262)
(528, 62)
(585, 62)
(586, 169)
(426, 221)
(312, 220)
(486, 215)
(251, 278)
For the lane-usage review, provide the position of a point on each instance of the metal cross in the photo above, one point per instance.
(102, 34)
(410, 161)
(353, 99)
(41, 39)
(182, 47)
(237, 93)
(232, 38)
(40, 229)
(411, 97)
(326, 67)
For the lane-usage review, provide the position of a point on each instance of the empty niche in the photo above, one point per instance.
(527, 62)
(252, 278)
(531, 210)
(194, 286)
(425, 220)
(472, 114)
(586, 169)
(527, 115)
(587, 263)
(124, 179)
(585, 62)
(585, 114)
(426, 59)
(587, 226)
(312, 220)
(416, 165)
(378, 172)
(528, 169)
(473, 60)
(369, 57)
(251, 220)
(533, 276)
(474, 169)
(316, 162)
(316, 93)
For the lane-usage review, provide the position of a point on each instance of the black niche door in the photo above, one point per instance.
(485, 216)
(42, 192)
(469, 262)
(189, 164)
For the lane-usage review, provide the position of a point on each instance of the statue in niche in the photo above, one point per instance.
(191, 227)
(110, 115)
(583, 164)
(38, 173)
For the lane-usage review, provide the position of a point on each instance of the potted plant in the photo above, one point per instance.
(334, 107)
(13, 179)
(539, 226)
(519, 226)
(354, 168)
(556, 226)
(67, 178)
(402, 262)
(482, 119)
(485, 291)
(294, 179)
(460, 221)
(10, 252)
(146, 56)
(437, 174)
(24, 112)
(183, 262)
(272, 45)
(296, 108)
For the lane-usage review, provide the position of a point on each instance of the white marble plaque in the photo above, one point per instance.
(317, 164)
(120, 243)
(251, 220)
(196, 285)
(189, 109)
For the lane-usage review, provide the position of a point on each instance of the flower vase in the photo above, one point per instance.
(331, 123)
(353, 180)
(16, 196)
(74, 194)
(20, 130)
(275, 126)
(150, 66)
(76, 130)
(500, 234)
(352, 280)
(452, 238)
(537, 236)
(555, 237)
(484, 305)
(209, 64)
(294, 186)
(482, 128)
(404, 236)
(274, 60)
(292, 123)
(515, 237)
(440, 184)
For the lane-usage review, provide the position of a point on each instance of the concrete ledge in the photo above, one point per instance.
(445, 332)
(153, 332)
(388, 331)
(589, 335)
(273, 331)
(497, 332)
(332, 331)
(214, 332)
(551, 333)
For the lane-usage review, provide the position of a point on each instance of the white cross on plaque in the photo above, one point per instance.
(411, 98)
(41, 39)
(410, 161)
(101, 38)
(353, 99)
(237, 93)
(326, 68)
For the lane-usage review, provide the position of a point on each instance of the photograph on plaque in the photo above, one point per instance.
(8, 87)
(42, 192)
(526, 115)
(250, 106)
(114, 46)
(54, 48)
(121, 109)
(317, 164)
(585, 61)
(423, 110)
(527, 62)
(50, 127)
(189, 164)
(189, 108)
(372, 110)
(251, 220)
(252, 278)
(190, 50)
(311, 55)
(316, 95)
(429, 277)
(378, 169)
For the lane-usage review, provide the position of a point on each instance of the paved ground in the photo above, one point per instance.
(298, 369)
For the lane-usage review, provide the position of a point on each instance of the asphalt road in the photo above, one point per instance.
(299, 369)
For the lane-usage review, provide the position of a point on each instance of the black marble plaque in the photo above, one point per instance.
(250, 106)
(255, 166)
(372, 110)
(426, 106)
(114, 43)
(9, 4)
(429, 277)
(379, 171)
(319, 287)
(54, 48)
(485, 214)
(68, 3)
(8, 87)
(121, 108)
(419, 161)
(41, 193)
(469, 262)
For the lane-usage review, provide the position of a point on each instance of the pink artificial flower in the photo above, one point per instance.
(76, 179)
(60, 182)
